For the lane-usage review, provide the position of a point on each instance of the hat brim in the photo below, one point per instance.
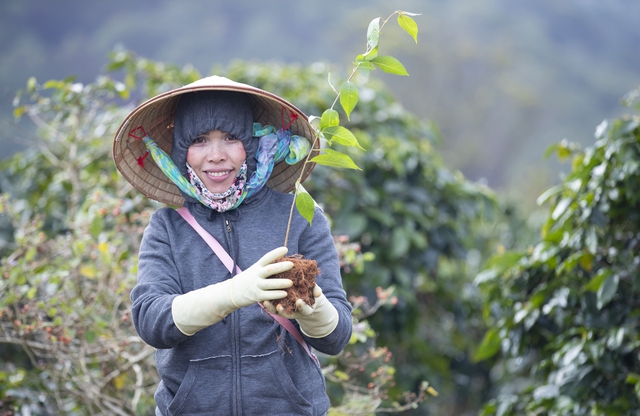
(156, 116)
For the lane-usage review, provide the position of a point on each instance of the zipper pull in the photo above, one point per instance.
(228, 226)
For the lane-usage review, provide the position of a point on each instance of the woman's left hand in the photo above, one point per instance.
(315, 321)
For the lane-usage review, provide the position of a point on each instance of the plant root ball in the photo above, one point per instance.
(303, 275)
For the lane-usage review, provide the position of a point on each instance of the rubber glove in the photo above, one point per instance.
(315, 321)
(204, 307)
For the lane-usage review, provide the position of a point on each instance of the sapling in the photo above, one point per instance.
(329, 132)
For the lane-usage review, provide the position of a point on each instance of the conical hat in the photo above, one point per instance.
(155, 117)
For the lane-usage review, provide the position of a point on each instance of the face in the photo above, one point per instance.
(216, 157)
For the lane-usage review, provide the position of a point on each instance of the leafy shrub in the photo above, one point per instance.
(564, 314)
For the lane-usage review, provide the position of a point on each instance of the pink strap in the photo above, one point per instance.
(222, 254)
(226, 259)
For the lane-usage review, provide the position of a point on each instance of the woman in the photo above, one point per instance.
(235, 152)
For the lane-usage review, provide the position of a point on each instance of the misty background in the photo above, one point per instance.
(503, 80)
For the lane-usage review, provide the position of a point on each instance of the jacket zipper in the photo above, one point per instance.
(234, 341)
(236, 355)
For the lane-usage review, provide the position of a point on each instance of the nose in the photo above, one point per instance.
(216, 151)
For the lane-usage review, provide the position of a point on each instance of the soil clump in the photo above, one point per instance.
(303, 274)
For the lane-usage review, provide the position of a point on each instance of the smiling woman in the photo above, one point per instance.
(204, 312)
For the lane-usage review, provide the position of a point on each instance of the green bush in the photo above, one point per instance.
(563, 314)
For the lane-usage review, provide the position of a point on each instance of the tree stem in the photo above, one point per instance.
(295, 193)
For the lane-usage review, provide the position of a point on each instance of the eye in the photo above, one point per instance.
(199, 139)
(231, 137)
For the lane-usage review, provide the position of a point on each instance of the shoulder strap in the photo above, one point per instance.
(226, 259)
(222, 254)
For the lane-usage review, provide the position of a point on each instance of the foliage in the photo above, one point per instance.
(328, 127)
(419, 219)
(71, 157)
(361, 376)
(69, 258)
(65, 302)
(563, 314)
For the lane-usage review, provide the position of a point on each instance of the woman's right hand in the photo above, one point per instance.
(204, 307)
(252, 285)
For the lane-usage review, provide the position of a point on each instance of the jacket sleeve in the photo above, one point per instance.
(158, 284)
(317, 243)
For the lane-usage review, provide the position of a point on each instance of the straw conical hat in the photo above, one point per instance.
(155, 116)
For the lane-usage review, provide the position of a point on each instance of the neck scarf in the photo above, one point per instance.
(224, 201)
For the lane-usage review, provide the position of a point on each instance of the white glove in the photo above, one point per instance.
(315, 321)
(204, 307)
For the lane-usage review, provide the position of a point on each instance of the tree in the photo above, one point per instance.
(563, 314)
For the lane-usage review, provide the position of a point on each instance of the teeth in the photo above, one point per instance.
(217, 173)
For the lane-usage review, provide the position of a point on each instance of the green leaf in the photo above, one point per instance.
(90, 336)
(607, 291)
(341, 135)
(335, 159)
(409, 25)
(30, 254)
(19, 111)
(53, 84)
(409, 13)
(497, 265)
(633, 378)
(560, 208)
(348, 97)
(485, 276)
(31, 293)
(585, 260)
(368, 56)
(31, 84)
(549, 193)
(329, 118)
(548, 391)
(591, 240)
(341, 375)
(400, 242)
(390, 65)
(305, 205)
(96, 226)
(505, 261)
(373, 35)
(596, 281)
(564, 149)
(89, 272)
(365, 67)
(489, 346)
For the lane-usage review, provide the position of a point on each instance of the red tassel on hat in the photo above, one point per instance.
(292, 118)
(140, 160)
